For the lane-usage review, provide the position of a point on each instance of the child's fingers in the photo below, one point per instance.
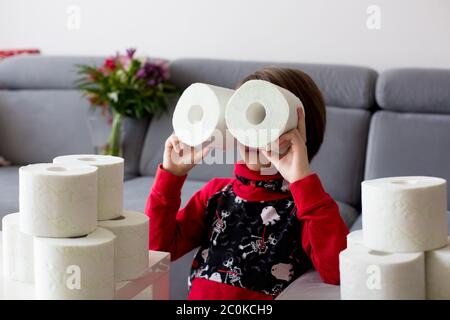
(200, 154)
(169, 149)
(193, 154)
(201, 151)
(186, 148)
(301, 126)
(176, 144)
(280, 145)
(188, 153)
(284, 147)
(294, 138)
(168, 142)
(173, 143)
(289, 137)
(273, 157)
(206, 150)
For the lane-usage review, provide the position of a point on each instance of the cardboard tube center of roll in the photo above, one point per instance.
(119, 218)
(87, 159)
(195, 114)
(405, 182)
(256, 113)
(57, 169)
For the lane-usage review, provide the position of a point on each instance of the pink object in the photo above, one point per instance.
(13, 52)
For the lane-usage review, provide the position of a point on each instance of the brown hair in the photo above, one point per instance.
(300, 84)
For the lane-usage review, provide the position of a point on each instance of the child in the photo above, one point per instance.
(255, 236)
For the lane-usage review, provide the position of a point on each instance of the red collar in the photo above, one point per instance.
(250, 192)
(240, 169)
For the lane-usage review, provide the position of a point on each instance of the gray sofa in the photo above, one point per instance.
(395, 123)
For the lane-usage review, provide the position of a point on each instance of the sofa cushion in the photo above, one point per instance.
(414, 90)
(342, 86)
(136, 192)
(406, 144)
(340, 160)
(9, 190)
(38, 125)
(348, 213)
(42, 72)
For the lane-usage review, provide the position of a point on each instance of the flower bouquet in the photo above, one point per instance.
(126, 86)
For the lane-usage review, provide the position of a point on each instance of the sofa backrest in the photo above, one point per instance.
(411, 134)
(349, 95)
(42, 115)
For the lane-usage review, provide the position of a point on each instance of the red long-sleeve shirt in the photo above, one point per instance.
(178, 231)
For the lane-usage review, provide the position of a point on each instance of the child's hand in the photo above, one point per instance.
(294, 164)
(179, 158)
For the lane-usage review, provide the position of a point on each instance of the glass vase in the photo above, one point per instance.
(114, 141)
(105, 133)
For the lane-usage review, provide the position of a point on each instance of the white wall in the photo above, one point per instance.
(412, 33)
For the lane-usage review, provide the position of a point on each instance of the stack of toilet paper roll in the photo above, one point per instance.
(256, 114)
(72, 237)
(403, 250)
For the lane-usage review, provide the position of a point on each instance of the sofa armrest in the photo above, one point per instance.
(310, 287)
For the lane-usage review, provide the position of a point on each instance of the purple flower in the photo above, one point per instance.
(149, 68)
(131, 52)
(154, 73)
(140, 74)
(163, 67)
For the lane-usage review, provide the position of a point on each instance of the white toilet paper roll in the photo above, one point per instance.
(17, 250)
(110, 181)
(355, 238)
(260, 111)
(200, 115)
(131, 231)
(75, 268)
(57, 200)
(404, 214)
(437, 266)
(373, 275)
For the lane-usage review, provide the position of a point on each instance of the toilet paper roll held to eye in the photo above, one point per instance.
(437, 268)
(17, 250)
(131, 231)
(374, 275)
(404, 214)
(259, 112)
(110, 181)
(58, 200)
(199, 115)
(75, 268)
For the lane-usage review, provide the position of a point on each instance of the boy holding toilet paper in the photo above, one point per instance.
(256, 233)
